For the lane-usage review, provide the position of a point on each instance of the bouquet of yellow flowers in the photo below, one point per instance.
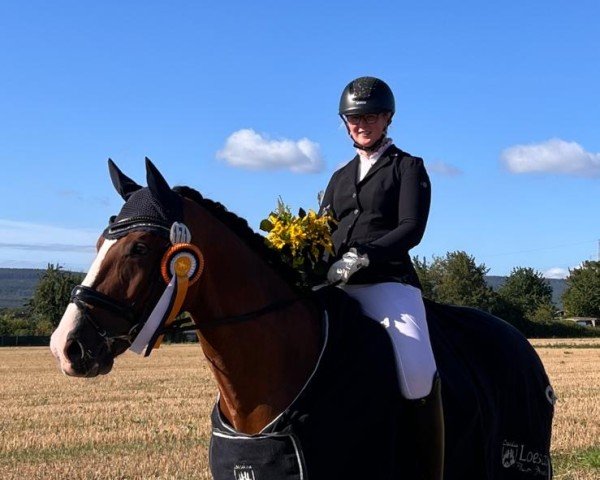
(302, 240)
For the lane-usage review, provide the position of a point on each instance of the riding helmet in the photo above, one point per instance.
(366, 95)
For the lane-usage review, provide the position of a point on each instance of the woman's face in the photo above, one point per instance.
(365, 133)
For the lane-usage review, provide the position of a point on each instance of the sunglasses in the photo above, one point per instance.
(369, 118)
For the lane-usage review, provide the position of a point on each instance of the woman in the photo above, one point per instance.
(381, 203)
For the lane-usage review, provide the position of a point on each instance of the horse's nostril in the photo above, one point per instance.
(74, 351)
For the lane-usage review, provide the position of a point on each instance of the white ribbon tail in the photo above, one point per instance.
(155, 320)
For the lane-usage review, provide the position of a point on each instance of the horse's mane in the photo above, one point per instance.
(240, 227)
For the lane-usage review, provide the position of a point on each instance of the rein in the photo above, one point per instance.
(183, 325)
(84, 296)
(182, 265)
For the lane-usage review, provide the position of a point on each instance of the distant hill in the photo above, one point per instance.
(18, 284)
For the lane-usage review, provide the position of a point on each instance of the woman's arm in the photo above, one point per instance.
(413, 211)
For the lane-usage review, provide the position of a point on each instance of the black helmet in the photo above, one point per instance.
(367, 95)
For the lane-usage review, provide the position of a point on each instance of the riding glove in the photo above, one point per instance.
(349, 264)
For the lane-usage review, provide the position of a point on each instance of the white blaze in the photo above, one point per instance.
(67, 324)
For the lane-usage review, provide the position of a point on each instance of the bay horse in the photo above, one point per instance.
(307, 388)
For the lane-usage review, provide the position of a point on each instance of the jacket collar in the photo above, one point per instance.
(385, 159)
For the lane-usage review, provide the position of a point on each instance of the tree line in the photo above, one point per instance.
(524, 299)
(45, 309)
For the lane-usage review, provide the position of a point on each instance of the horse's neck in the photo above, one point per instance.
(260, 365)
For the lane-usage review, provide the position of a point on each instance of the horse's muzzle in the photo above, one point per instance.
(83, 362)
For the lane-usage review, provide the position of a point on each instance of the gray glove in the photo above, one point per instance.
(349, 264)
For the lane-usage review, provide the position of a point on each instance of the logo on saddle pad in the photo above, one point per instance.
(525, 460)
(509, 454)
(243, 472)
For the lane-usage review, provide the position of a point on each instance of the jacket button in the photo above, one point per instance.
(356, 212)
(354, 195)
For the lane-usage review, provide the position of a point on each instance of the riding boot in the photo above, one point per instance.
(428, 416)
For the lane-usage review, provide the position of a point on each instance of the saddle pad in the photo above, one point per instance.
(234, 456)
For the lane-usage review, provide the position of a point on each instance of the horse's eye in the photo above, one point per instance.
(139, 249)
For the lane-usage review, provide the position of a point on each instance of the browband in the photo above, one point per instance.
(122, 228)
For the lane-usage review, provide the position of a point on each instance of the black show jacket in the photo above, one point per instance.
(384, 215)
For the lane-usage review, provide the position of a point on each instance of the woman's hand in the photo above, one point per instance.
(349, 264)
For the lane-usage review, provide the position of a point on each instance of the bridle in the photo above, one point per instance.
(85, 297)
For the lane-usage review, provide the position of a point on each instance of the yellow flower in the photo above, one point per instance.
(302, 239)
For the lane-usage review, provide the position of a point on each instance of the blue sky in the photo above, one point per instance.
(239, 100)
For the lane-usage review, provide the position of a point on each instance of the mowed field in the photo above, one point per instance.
(148, 419)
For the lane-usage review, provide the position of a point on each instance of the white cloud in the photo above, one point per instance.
(444, 169)
(248, 149)
(552, 156)
(556, 272)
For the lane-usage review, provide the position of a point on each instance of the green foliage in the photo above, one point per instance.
(585, 459)
(52, 295)
(43, 327)
(525, 299)
(19, 321)
(459, 280)
(530, 294)
(508, 311)
(14, 322)
(543, 314)
(427, 283)
(540, 325)
(582, 295)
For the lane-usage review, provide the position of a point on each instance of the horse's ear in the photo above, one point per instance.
(158, 185)
(124, 185)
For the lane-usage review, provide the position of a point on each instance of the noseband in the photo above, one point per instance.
(82, 294)
(84, 297)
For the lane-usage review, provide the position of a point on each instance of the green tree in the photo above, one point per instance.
(13, 322)
(52, 295)
(529, 292)
(544, 313)
(424, 274)
(582, 295)
(459, 280)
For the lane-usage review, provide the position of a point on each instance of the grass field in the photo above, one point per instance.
(148, 419)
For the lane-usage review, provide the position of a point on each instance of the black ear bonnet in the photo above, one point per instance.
(153, 208)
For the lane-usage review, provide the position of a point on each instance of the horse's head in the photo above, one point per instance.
(124, 285)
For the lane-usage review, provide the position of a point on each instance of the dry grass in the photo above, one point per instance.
(574, 369)
(148, 419)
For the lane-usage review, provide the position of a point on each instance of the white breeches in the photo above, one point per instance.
(399, 308)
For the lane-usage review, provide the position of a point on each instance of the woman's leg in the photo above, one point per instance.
(400, 309)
